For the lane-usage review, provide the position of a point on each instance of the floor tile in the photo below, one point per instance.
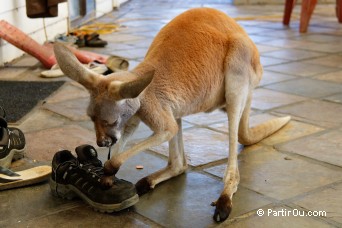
(307, 87)
(128, 171)
(201, 146)
(68, 91)
(136, 53)
(282, 31)
(12, 73)
(292, 54)
(18, 204)
(257, 38)
(278, 175)
(188, 201)
(264, 99)
(270, 77)
(327, 202)
(75, 109)
(278, 221)
(335, 98)
(245, 200)
(89, 218)
(322, 47)
(323, 147)
(333, 77)
(268, 61)
(300, 69)
(331, 61)
(253, 121)
(256, 30)
(42, 145)
(141, 43)
(290, 131)
(320, 113)
(283, 43)
(144, 131)
(206, 118)
(133, 64)
(266, 48)
(319, 38)
(25, 61)
(183, 201)
(117, 47)
(121, 37)
(40, 120)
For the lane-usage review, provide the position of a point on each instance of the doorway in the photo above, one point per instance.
(80, 12)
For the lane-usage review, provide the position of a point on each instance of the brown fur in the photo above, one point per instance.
(202, 60)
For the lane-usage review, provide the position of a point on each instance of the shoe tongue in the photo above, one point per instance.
(87, 154)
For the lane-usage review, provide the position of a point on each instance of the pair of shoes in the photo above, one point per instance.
(94, 40)
(90, 40)
(12, 142)
(80, 176)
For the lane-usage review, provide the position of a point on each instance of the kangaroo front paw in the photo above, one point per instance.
(143, 186)
(106, 182)
(223, 208)
(109, 172)
(109, 169)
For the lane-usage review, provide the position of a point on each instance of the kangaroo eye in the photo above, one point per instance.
(107, 124)
(114, 123)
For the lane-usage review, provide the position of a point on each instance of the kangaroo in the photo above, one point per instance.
(200, 61)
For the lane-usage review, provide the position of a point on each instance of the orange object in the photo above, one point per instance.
(22, 41)
(308, 7)
(83, 56)
(289, 5)
(339, 10)
(44, 53)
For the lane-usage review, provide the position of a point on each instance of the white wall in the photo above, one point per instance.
(117, 3)
(14, 12)
(105, 6)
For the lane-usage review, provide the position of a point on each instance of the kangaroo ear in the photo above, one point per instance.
(131, 89)
(72, 68)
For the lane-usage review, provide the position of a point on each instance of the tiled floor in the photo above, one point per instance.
(298, 168)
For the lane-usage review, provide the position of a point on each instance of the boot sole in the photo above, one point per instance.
(69, 192)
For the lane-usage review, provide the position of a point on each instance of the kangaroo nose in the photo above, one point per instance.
(104, 142)
(114, 140)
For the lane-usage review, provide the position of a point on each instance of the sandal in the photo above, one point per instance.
(25, 177)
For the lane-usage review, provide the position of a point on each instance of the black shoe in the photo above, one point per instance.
(81, 176)
(12, 142)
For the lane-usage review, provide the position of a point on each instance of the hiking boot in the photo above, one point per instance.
(12, 142)
(72, 177)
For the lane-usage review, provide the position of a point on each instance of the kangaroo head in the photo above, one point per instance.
(113, 98)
